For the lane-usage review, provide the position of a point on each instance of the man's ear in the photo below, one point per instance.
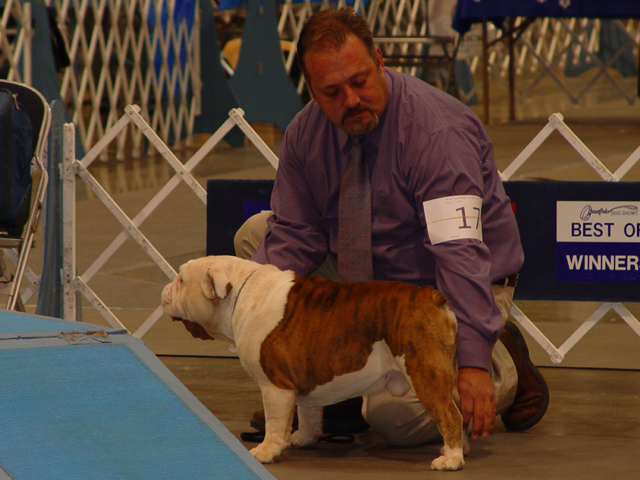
(379, 59)
(215, 283)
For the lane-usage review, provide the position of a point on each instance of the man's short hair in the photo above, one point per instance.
(330, 29)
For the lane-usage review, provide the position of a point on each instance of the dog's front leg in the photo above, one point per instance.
(309, 426)
(278, 412)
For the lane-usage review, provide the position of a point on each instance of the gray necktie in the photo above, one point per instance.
(354, 220)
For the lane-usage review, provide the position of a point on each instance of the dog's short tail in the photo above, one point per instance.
(438, 298)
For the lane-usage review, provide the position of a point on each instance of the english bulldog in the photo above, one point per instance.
(315, 342)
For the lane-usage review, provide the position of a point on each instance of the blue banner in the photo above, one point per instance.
(581, 240)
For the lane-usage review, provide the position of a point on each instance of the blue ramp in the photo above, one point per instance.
(84, 402)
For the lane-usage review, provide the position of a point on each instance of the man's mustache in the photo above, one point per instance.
(353, 111)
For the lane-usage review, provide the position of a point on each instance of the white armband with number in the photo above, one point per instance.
(453, 218)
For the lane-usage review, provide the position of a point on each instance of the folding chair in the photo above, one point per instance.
(416, 34)
(420, 54)
(40, 115)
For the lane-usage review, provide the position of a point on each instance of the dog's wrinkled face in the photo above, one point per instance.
(195, 295)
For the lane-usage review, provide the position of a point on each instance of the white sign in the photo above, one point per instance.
(600, 222)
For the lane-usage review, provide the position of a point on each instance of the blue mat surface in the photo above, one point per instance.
(105, 409)
(15, 323)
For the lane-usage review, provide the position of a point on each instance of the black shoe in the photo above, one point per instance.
(532, 395)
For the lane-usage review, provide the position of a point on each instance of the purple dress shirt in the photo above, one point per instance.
(427, 145)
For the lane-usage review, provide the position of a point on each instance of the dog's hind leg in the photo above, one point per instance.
(433, 382)
(309, 426)
(446, 415)
(278, 411)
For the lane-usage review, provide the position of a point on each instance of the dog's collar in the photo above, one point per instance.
(240, 291)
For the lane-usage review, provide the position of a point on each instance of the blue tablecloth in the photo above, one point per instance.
(473, 11)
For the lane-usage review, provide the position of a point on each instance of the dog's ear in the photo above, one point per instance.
(215, 284)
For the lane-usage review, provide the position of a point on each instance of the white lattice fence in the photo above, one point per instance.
(15, 41)
(126, 51)
(113, 45)
(542, 50)
(546, 47)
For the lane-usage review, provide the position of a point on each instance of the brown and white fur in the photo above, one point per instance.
(315, 342)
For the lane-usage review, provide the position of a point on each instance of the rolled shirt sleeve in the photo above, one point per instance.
(465, 267)
(463, 277)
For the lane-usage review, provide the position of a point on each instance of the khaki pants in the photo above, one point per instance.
(401, 420)
(250, 234)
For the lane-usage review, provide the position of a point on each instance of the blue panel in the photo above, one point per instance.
(50, 301)
(261, 83)
(98, 412)
(216, 95)
(229, 204)
(546, 274)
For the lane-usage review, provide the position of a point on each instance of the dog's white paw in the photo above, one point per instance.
(303, 439)
(452, 460)
(267, 452)
(447, 463)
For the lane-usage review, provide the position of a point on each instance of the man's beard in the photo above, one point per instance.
(361, 127)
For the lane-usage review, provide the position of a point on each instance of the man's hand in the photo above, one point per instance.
(477, 401)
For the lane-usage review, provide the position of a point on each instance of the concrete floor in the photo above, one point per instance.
(590, 432)
(592, 428)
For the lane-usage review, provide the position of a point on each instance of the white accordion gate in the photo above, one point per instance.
(127, 34)
(72, 167)
(109, 42)
(556, 123)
